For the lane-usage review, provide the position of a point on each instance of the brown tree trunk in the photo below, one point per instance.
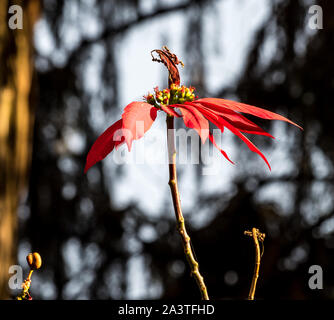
(16, 124)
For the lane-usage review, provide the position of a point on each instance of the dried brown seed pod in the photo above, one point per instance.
(34, 260)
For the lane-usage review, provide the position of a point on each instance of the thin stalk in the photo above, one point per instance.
(177, 209)
(24, 295)
(256, 235)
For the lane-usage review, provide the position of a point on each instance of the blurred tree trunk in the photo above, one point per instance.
(16, 124)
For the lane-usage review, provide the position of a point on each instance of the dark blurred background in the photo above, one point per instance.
(110, 234)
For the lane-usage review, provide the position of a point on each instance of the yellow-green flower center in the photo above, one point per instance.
(174, 95)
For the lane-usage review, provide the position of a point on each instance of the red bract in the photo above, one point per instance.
(138, 117)
(137, 113)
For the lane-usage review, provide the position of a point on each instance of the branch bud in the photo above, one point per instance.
(34, 260)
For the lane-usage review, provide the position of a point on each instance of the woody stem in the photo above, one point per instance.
(178, 211)
(255, 234)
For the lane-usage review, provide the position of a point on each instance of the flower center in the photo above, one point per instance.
(174, 95)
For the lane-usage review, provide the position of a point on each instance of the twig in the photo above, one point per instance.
(178, 212)
(34, 261)
(256, 235)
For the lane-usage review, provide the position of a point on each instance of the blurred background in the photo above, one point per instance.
(110, 234)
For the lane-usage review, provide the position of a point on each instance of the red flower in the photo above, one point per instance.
(196, 114)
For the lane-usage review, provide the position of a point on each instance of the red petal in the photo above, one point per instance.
(245, 108)
(104, 144)
(195, 120)
(222, 122)
(138, 117)
(237, 120)
(170, 111)
(212, 139)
